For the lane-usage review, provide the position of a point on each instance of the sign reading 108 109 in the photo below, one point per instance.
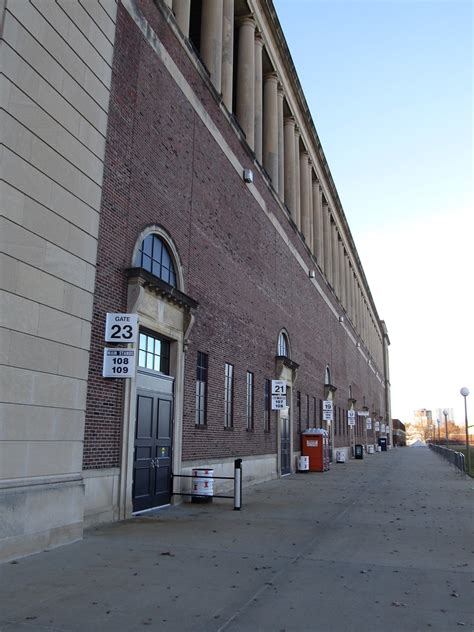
(119, 363)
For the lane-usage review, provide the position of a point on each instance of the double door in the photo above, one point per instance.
(153, 446)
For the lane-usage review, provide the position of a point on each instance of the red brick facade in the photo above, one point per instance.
(163, 167)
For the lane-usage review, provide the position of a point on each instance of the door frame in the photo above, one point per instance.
(147, 381)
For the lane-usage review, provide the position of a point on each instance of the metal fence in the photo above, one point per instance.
(457, 459)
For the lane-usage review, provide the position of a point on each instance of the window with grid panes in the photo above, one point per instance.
(153, 353)
(229, 396)
(298, 409)
(155, 257)
(249, 406)
(201, 389)
(267, 402)
(314, 412)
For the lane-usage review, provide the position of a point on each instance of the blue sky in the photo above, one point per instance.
(389, 86)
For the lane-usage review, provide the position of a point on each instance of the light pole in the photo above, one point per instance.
(438, 422)
(465, 392)
(445, 413)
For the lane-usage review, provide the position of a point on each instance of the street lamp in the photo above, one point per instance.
(465, 392)
(445, 413)
(438, 422)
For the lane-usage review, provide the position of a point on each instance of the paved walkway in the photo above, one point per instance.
(380, 544)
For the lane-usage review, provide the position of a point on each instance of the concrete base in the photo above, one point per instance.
(101, 496)
(39, 514)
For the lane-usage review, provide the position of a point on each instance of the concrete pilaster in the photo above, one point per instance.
(297, 179)
(304, 196)
(317, 222)
(259, 115)
(211, 39)
(281, 144)
(270, 127)
(246, 79)
(289, 170)
(181, 9)
(342, 273)
(327, 240)
(227, 53)
(335, 258)
(310, 202)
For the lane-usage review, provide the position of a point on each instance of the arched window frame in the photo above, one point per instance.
(283, 344)
(327, 375)
(157, 230)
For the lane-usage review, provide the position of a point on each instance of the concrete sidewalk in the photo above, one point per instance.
(379, 544)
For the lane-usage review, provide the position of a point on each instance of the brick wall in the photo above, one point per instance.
(163, 167)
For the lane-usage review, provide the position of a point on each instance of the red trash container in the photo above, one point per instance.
(315, 445)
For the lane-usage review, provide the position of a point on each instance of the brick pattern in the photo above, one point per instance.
(163, 167)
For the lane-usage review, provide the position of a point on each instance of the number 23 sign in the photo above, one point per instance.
(121, 328)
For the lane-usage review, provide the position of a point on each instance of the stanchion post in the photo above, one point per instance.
(237, 484)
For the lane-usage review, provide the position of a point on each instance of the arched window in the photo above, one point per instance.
(327, 375)
(283, 348)
(350, 391)
(154, 256)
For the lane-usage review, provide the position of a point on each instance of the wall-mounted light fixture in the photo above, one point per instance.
(312, 274)
(248, 176)
(341, 319)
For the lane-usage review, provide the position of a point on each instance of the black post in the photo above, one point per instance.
(237, 484)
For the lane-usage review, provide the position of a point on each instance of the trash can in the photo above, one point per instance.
(383, 444)
(359, 451)
(303, 464)
(202, 485)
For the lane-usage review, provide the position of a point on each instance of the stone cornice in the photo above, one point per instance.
(165, 290)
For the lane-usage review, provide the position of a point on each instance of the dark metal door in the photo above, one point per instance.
(285, 464)
(152, 455)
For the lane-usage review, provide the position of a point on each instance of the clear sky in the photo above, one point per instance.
(390, 87)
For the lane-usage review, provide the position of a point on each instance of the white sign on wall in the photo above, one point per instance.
(121, 328)
(368, 423)
(351, 417)
(278, 387)
(119, 363)
(383, 427)
(377, 425)
(278, 402)
(327, 410)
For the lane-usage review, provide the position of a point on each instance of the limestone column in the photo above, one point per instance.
(317, 223)
(181, 9)
(211, 39)
(289, 169)
(227, 52)
(297, 179)
(342, 274)
(258, 98)
(246, 79)
(304, 196)
(327, 241)
(281, 144)
(310, 202)
(335, 258)
(348, 284)
(270, 126)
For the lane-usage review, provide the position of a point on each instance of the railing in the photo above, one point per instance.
(237, 478)
(457, 459)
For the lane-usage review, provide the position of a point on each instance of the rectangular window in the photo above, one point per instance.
(249, 400)
(307, 411)
(268, 406)
(298, 409)
(314, 412)
(201, 389)
(229, 396)
(153, 353)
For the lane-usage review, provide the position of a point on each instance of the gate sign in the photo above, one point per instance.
(278, 394)
(279, 387)
(351, 417)
(119, 363)
(327, 410)
(383, 427)
(377, 425)
(368, 423)
(121, 328)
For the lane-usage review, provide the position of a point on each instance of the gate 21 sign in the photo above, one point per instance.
(121, 328)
